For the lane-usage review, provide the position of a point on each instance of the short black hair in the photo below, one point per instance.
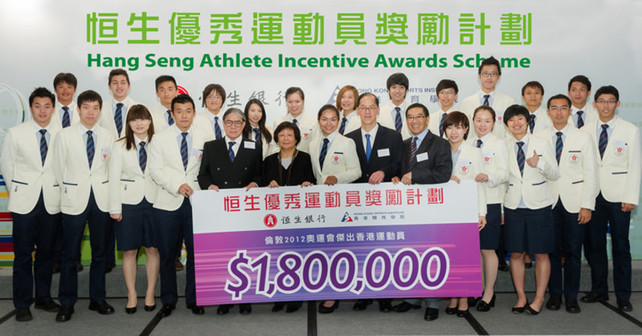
(183, 99)
(490, 61)
(214, 87)
(90, 96)
(42, 93)
(293, 90)
(582, 79)
(163, 79)
(399, 79)
(446, 84)
(608, 89)
(515, 110)
(118, 72)
(558, 96)
(533, 84)
(66, 77)
(419, 105)
(287, 125)
(367, 94)
(457, 118)
(328, 107)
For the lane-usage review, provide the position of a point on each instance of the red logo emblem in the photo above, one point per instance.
(269, 220)
(619, 149)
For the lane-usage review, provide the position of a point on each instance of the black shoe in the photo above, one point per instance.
(150, 308)
(385, 306)
(519, 310)
(361, 304)
(278, 306)
(101, 307)
(472, 301)
(23, 314)
(130, 310)
(462, 313)
(167, 310)
(483, 306)
(79, 267)
(64, 314)
(431, 314)
(245, 308)
(328, 310)
(572, 306)
(223, 309)
(451, 311)
(624, 305)
(196, 310)
(503, 266)
(56, 267)
(110, 267)
(178, 264)
(404, 307)
(592, 298)
(532, 311)
(554, 302)
(293, 306)
(49, 306)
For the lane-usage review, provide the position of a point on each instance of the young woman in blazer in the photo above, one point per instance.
(255, 128)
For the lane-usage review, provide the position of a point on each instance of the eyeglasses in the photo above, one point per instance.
(236, 123)
(368, 108)
(609, 102)
(419, 117)
(489, 74)
(559, 108)
(213, 97)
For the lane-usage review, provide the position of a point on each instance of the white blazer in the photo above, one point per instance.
(500, 103)
(107, 116)
(385, 118)
(71, 168)
(341, 160)
(534, 186)
(494, 156)
(353, 123)
(542, 121)
(159, 118)
(578, 185)
(590, 115)
(435, 120)
(267, 148)
(166, 166)
(23, 172)
(619, 169)
(56, 118)
(308, 126)
(127, 182)
(468, 165)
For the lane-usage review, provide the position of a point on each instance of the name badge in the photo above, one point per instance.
(422, 157)
(383, 152)
(249, 145)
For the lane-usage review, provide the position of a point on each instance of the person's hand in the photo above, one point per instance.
(395, 180)
(481, 177)
(307, 184)
(584, 216)
(212, 187)
(627, 207)
(251, 185)
(481, 223)
(330, 180)
(533, 160)
(185, 190)
(455, 178)
(376, 177)
(407, 178)
(273, 184)
(116, 217)
(502, 219)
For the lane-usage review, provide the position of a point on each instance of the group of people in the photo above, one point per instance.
(550, 180)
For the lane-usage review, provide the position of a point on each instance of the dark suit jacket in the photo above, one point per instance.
(439, 166)
(389, 164)
(299, 171)
(217, 169)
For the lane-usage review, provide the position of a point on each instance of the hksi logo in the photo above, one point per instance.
(346, 218)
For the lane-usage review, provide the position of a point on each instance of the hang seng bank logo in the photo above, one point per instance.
(346, 218)
(269, 220)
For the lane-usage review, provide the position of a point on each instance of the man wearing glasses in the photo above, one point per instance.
(447, 91)
(489, 74)
(618, 147)
(574, 194)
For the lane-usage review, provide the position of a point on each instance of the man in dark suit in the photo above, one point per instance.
(231, 162)
(426, 159)
(379, 149)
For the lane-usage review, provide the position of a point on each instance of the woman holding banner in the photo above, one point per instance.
(131, 194)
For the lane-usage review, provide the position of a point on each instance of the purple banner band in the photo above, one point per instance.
(397, 261)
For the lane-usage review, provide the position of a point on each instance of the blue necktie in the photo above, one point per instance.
(170, 120)
(295, 122)
(521, 158)
(398, 119)
(66, 121)
(142, 156)
(413, 151)
(324, 151)
(479, 143)
(257, 136)
(580, 121)
(558, 146)
(217, 129)
(43, 146)
(531, 122)
(441, 125)
(342, 128)
(230, 151)
(486, 101)
(118, 117)
(90, 148)
(604, 140)
(184, 153)
(368, 147)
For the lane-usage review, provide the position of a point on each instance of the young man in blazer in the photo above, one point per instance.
(81, 162)
(114, 110)
(618, 144)
(393, 112)
(574, 194)
(426, 159)
(65, 87)
(489, 74)
(174, 160)
(34, 203)
(582, 113)
(379, 150)
(447, 93)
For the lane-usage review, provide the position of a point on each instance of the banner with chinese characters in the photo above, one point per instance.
(336, 242)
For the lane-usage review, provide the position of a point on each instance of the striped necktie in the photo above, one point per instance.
(604, 139)
(118, 117)
(342, 128)
(66, 120)
(441, 125)
(217, 129)
(558, 146)
(43, 146)
(531, 122)
(230, 150)
(486, 100)
(479, 143)
(184, 155)
(324, 152)
(580, 121)
(170, 120)
(90, 148)
(142, 156)
(413, 152)
(521, 158)
(398, 123)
